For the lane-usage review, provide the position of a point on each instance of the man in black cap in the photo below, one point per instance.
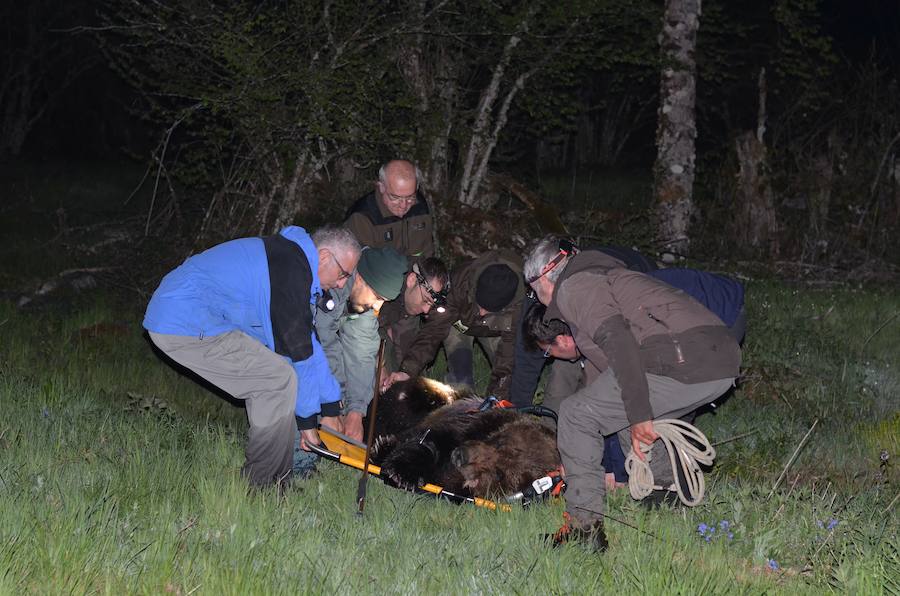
(484, 304)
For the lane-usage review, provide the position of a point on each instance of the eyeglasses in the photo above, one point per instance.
(344, 273)
(567, 248)
(438, 300)
(394, 199)
(397, 199)
(426, 294)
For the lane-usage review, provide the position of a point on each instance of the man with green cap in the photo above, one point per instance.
(352, 349)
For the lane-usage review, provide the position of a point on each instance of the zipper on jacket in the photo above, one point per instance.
(678, 351)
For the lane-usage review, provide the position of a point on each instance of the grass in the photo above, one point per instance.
(118, 475)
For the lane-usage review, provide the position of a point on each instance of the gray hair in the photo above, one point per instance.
(337, 239)
(541, 253)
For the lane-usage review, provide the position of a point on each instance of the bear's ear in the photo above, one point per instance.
(398, 391)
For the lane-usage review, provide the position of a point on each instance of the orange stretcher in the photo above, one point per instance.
(344, 450)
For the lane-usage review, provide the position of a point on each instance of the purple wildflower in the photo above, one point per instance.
(773, 565)
(832, 524)
(701, 529)
(724, 524)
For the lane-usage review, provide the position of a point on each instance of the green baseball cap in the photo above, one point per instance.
(384, 269)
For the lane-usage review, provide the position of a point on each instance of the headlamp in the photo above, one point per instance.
(439, 299)
(567, 249)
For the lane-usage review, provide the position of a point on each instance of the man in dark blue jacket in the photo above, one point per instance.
(241, 316)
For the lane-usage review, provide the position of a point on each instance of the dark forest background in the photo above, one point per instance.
(245, 116)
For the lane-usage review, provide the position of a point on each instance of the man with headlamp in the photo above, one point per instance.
(654, 351)
(424, 292)
(484, 305)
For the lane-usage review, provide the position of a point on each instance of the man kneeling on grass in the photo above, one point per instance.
(655, 353)
(241, 316)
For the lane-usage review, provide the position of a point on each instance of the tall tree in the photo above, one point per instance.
(260, 100)
(673, 172)
(277, 97)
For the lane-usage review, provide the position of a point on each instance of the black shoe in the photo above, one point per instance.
(658, 498)
(304, 464)
(593, 537)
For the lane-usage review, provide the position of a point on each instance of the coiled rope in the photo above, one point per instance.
(684, 443)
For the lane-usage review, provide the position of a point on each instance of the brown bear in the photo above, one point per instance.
(429, 432)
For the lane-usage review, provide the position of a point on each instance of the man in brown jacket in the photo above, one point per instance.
(484, 304)
(655, 353)
(400, 320)
(394, 214)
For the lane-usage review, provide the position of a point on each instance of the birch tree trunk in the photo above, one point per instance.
(480, 143)
(673, 172)
(438, 172)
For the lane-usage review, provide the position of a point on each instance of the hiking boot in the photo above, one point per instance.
(658, 498)
(593, 537)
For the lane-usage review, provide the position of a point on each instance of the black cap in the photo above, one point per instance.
(496, 287)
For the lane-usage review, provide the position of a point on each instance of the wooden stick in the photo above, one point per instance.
(735, 438)
(891, 504)
(874, 333)
(793, 457)
(364, 477)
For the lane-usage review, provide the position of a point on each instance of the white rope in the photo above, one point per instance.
(675, 434)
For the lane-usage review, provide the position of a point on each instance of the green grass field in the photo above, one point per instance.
(118, 475)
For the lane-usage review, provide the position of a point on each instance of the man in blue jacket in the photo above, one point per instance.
(241, 315)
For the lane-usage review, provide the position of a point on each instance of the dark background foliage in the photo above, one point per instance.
(251, 115)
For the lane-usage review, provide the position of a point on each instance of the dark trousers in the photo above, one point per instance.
(596, 411)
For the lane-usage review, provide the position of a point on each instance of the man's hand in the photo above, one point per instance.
(642, 432)
(333, 422)
(393, 378)
(353, 427)
(308, 437)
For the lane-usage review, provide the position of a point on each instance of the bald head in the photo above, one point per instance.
(398, 181)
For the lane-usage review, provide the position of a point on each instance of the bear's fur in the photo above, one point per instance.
(428, 432)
